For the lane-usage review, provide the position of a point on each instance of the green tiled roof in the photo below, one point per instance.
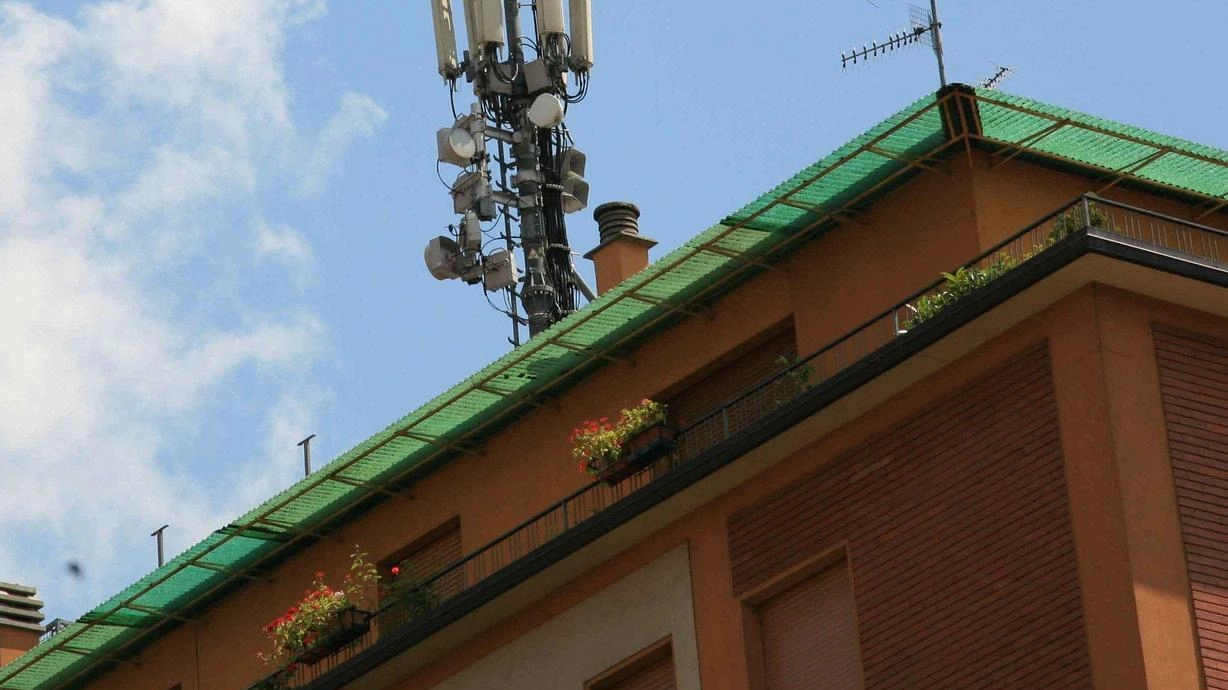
(695, 273)
(1147, 156)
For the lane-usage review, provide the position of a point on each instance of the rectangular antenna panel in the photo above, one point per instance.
(581, 34)
(471, 26)
(550, 17)
(490, 21)
(445, 36)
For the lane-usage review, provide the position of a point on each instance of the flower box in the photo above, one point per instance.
(649, 445)
(613, 451)
(613, 470)
(639, 451)
(346, 625)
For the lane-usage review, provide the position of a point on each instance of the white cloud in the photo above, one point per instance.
(356, 118)
(291, 419)
(283, 244)
(128, 137)
(179, 179)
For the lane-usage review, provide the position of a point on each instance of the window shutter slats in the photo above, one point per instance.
(809, 635)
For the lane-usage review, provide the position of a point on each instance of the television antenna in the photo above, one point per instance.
(1000, 73)
(519, 168)
(924, 29)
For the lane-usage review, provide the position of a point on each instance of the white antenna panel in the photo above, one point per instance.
(445, 37)
(581, 34)
(550, 17)
(471, 26)
(490, 21)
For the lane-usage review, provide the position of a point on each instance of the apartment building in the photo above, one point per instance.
(947, 408)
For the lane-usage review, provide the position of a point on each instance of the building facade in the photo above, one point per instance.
(1011, 476)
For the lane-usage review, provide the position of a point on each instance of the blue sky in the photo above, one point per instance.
(212, 215)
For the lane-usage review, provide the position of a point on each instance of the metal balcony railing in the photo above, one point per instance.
(1086, 215)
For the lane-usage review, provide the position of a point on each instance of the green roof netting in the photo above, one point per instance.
(709, 263)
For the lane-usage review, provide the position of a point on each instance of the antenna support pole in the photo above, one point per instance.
(936, 30)
(306, 445)
(538, 295)
(511, 18)
(158, 534)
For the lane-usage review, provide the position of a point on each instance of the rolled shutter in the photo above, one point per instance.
(655, 672)
(659, 675)
(809, 635)
(441, 551)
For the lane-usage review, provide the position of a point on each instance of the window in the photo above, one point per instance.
(650, 669)
(716, 386)
(426, 556)
(809, 635)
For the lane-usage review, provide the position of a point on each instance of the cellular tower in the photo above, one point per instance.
(519, 175)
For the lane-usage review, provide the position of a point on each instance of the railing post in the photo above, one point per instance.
(1087, 212)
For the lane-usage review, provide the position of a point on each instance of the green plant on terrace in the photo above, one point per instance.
(1073, 220)
(959, 284)
(793, 382)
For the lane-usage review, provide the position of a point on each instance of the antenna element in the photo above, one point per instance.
(998, 76)
(925, 29)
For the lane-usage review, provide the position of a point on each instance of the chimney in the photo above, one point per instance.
(21, 621)
(623, 251)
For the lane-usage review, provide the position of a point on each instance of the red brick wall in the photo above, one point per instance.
(958, 536)
(1194, 386)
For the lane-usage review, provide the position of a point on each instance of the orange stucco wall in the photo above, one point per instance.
(937, 221)
(1134, 593)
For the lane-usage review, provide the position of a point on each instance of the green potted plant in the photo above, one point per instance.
(963, 282)
(405, 598)
(325, 619)
(1075, 219)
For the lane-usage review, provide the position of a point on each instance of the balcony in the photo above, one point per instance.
(1088, 224)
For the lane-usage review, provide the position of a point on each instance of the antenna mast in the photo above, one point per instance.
(935, 30)
(535, 176)
(925, 29)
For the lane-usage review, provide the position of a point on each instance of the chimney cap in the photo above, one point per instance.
(615, 205)
(19, 608)
(617, 219)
